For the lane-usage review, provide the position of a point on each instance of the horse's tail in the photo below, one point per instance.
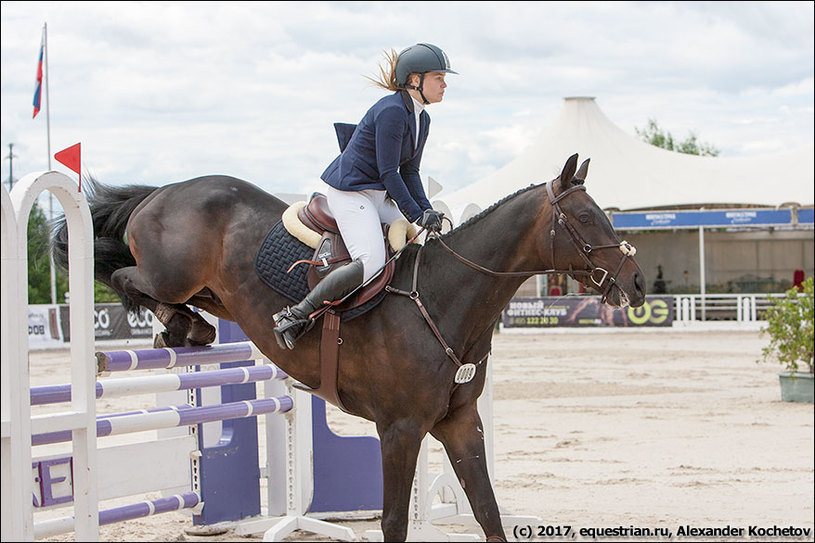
(111, 208)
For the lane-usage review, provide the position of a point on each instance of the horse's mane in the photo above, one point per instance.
(482, 214)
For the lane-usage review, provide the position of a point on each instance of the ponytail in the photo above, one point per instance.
(387, 72)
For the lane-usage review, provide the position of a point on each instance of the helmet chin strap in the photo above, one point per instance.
(420, 88)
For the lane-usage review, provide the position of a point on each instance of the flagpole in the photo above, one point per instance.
(47, 61)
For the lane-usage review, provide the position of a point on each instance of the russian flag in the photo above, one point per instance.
(38, 87)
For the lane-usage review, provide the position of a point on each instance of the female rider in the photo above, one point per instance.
(376, 178)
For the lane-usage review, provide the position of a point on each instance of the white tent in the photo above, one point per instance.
(627, 173)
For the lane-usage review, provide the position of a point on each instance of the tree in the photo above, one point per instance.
(39, 265)
(790, 326)
(654, 135)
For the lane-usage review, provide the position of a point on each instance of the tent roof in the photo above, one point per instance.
(627, 173)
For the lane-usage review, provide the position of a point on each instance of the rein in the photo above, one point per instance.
(583, 249)
(466, 372)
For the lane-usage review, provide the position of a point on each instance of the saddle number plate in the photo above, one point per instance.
(465, 373)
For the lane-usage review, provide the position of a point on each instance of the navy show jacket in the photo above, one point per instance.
(382, 155)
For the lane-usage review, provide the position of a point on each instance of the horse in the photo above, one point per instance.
(194, 243)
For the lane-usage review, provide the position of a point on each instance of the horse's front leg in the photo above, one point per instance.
(400, 442)
(183, 326)
(462, 435)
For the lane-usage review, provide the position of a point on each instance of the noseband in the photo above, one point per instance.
(583, 248)
(598, 276)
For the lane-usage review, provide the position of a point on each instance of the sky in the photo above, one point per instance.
(161, 92)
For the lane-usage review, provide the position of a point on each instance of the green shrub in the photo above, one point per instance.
(790, 327)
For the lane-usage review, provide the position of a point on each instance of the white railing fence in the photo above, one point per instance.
(722, 307)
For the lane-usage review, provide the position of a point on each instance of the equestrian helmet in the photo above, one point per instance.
(421, 58)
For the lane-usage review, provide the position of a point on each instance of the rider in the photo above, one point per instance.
(376, 178)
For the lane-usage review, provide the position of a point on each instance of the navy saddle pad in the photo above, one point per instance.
(276, 255)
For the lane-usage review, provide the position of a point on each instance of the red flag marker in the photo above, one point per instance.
(72, 158)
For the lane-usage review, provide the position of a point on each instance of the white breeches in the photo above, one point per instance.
(359, 215)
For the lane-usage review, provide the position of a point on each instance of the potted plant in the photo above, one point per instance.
(790, 327)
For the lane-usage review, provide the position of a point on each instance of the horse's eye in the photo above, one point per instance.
(584, 218)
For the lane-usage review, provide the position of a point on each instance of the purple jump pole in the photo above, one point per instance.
(109, 388)
(147, 508)
(175, 357)
(170, 417)
(143, 509)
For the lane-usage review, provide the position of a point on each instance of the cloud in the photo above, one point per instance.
(161, 92)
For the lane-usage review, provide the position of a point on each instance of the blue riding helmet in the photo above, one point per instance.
(421, 58)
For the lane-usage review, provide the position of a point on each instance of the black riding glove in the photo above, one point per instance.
(431, 220)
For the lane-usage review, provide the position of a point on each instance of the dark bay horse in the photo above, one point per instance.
(194, 243)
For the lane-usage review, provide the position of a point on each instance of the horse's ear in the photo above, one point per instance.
(580, 177)
(568, 172)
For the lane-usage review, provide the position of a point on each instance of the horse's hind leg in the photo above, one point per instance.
(462, 435)
(400, 443)
(183, 326)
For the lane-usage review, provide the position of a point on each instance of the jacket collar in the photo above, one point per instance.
(408, 100)
(411, 107)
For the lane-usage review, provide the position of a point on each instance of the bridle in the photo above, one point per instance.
(466, 371)
(584, 249)
(597, 275)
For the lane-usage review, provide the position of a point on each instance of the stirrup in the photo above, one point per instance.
(289, 328)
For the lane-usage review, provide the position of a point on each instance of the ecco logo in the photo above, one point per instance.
(101, 319)
(140, 319)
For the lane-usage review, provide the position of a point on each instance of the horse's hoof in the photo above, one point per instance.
(189, 342)
(160, 341)
(202, 333)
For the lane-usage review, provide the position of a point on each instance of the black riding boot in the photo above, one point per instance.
(292, 322)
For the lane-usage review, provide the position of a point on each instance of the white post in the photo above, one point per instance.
(275, 468)
(82, 417)
(702, 270)
(299, 481)
(746, 308)
(17, 485)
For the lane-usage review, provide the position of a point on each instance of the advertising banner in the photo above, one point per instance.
(49, 326)
(584, 311)
(712, 218)
(44, 330)
(111, 321)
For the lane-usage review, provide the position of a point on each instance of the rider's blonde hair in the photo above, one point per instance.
(387, 72)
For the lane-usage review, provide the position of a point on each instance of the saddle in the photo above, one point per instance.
(313, 224)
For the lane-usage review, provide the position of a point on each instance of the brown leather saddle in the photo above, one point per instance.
(331, 252)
